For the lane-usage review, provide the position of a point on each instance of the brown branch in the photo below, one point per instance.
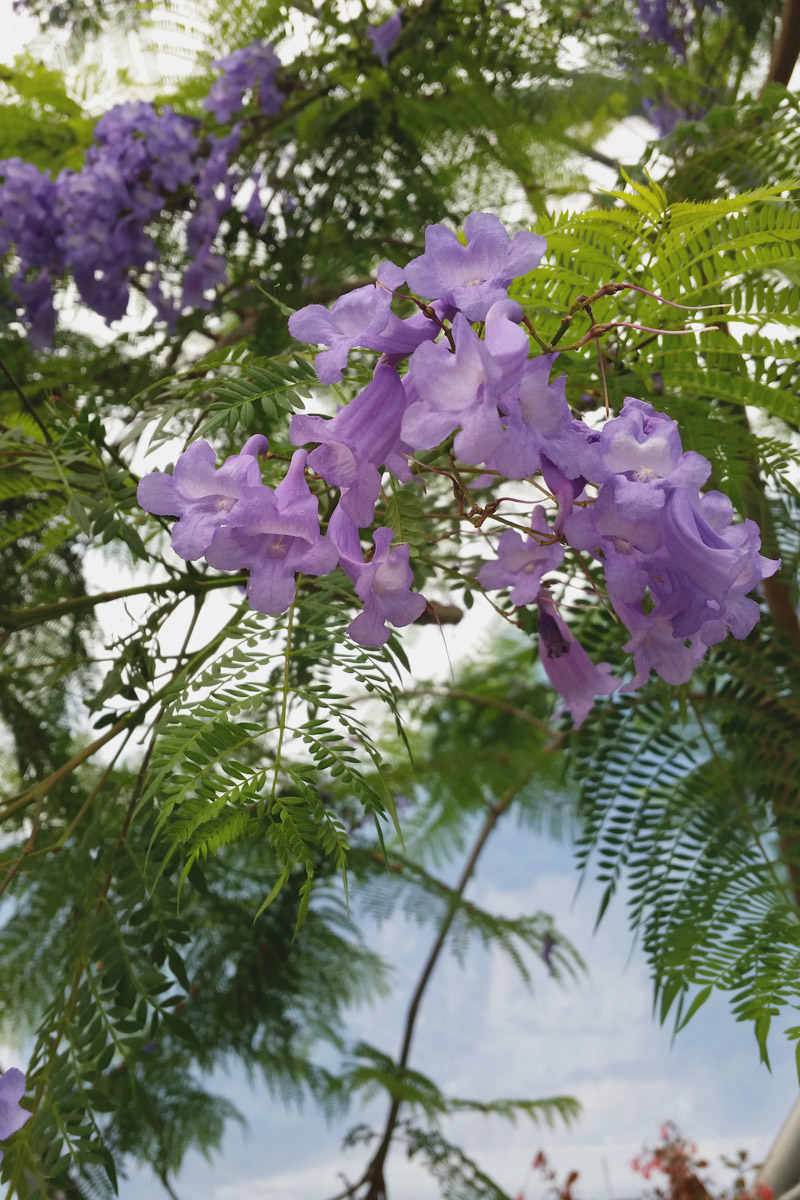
(786, 50)
(129, 720)
(486, 702)
(373, 1177)
(21, 618)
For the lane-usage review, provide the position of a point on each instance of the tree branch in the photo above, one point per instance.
(786, 50)
(373, 1177)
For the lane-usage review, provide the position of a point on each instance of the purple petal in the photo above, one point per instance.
(157, 494)
(271, 587)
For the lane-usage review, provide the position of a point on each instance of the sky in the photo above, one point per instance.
(481, 1034)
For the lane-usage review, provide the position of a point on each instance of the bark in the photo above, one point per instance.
(786, 50)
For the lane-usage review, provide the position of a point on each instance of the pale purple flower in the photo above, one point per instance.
(400, 336)
(462, 390)
(362, 437)
(568, 666)
(201, 494)
(624, 545)
(474, 276)
(522, 561)
(537, 421)
(655, 645)
(642, 448)
(274, 534)
(384, 583)
(12, 1115)
(712, 561)
(384, 36)
(354, 319)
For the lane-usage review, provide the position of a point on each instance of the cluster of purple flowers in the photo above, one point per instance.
(677, 571)
(252, 70)
(95, 224)
(231, 518)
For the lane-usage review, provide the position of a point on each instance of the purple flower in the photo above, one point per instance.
(710, 560)
(12, 1115)
(537, 421)
(654, 18)
(361, 438)
(384, 36)
(384, 583)
(521, 562)
(354, 319)
(654, 644)
(463, 389)
(623, 544)
(201, 494)
(642, 448)
(274, 535)
(249, 69)
(568, 666)
(473, 277)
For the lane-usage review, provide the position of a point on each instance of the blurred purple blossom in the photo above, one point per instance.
(384, 36)
(250, 69)
(12, 1115)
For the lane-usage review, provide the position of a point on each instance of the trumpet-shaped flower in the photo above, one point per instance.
(642, 448)
(275, 534)
(383, 583)
(522, 561)
(568, 666)
(474, 276)
(201, 494)
(362, 436)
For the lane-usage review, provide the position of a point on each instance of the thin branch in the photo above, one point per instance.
(30, 410)
(22, 618)
(373, 1177)
(484, 702)
(787, 48)
(129, 720)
